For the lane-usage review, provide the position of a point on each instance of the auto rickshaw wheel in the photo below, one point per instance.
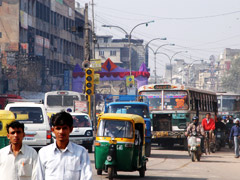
(148, 149)
(110, 172)
(99, 172)
(142, 171)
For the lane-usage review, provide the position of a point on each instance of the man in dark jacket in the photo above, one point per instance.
(235, 133)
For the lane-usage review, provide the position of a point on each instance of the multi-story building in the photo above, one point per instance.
(118, 51)
(40, 42)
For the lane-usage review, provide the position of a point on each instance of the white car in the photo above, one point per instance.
(82, 130)
(36, 123)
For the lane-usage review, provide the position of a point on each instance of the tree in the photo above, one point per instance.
(230, 81)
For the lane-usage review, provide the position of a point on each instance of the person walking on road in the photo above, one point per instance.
(63, 159)
(17, 160)
(235, 134)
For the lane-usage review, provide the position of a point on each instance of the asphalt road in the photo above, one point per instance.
(175, 164)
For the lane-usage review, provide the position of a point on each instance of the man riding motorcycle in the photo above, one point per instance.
(196, 126)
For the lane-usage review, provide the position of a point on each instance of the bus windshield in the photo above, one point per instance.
(140, 110)
(155, 100)
(175, 100)
(115, 128)
(230, 103)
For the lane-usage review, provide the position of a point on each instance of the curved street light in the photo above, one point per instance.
(129, 39)
(155, 57)
(146, 47)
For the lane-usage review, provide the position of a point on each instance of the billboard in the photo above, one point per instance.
(9, 25)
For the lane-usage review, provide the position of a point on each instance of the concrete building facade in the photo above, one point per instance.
(43, 39)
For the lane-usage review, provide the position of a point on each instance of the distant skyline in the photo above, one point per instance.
(201, 27)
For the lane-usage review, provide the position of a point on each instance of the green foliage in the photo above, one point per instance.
(231, 80)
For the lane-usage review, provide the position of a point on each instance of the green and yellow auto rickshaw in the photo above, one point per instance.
(6, 117)
(120, 144)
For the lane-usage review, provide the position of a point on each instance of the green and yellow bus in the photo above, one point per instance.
(172, 108)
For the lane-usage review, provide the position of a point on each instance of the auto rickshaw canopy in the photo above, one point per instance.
(123, 117)
(6, 117)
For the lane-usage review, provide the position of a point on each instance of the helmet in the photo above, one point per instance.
(195, 118)
(224, 117)
(237, 119)
(69, 110)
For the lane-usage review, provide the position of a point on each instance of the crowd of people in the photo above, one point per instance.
(59, 160)
(226, 124)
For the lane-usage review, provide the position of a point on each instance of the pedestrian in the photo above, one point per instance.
(17, 160)
(63, 159)
(235, 135)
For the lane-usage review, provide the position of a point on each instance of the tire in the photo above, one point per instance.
(142, 171)
(99, 172)
(110, 172)
(193, 156)
(198, 154)
(90, 149)
(218, 147)
(148, 149)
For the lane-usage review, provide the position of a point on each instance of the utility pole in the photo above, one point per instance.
(86, 35)
(93, 56)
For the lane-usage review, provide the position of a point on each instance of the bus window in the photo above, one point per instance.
(155, 100)
(175, 100)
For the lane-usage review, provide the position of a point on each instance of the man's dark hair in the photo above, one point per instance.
(208, 114)
(62, 118)
(15, 124)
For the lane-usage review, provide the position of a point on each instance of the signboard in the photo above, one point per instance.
(96, 64)
(130, 81)
(96, 78)
(81, 106)
(66, 79)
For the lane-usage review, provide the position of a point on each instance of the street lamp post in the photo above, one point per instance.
(170, 59)
(189, 66)
(155, 58)
(129, 39)
(146, 47)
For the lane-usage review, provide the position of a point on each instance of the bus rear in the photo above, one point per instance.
(56, 101)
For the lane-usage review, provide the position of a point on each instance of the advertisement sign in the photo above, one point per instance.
(81, 106)
(96, 78)
(96, 64)
(66, 80)
(130, 81)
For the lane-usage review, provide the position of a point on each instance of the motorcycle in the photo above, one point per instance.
(219, 139)
(194, 146)
(210, 144)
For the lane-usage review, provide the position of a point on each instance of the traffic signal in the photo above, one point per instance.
(89, 81)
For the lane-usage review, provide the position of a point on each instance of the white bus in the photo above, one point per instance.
(55, 101)
(228, 104)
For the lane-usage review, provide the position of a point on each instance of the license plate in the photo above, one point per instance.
(28, 138)
(77, 141)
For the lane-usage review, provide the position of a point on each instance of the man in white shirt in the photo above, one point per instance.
(17, 160)
(63, 160)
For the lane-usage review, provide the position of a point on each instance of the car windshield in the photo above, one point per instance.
(28, 115)
(115, 128)
(81, 121)
(141, 110)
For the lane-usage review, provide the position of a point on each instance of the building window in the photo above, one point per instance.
(112, 53)
(105, 40)
(101, 53)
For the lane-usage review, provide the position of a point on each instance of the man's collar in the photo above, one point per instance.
(22, 150)
(68, 148)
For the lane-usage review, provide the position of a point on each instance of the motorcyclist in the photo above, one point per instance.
(220, 125)
(196, 126)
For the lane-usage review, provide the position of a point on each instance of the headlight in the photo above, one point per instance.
(88, 133)
(109, 158)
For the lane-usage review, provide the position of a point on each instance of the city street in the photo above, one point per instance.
(176, 164)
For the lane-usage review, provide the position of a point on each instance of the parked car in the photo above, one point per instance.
(35, 119)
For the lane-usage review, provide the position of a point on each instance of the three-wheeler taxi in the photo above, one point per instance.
(120, 144)
(6, 117)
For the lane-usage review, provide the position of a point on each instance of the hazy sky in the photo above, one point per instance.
(201, 27)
